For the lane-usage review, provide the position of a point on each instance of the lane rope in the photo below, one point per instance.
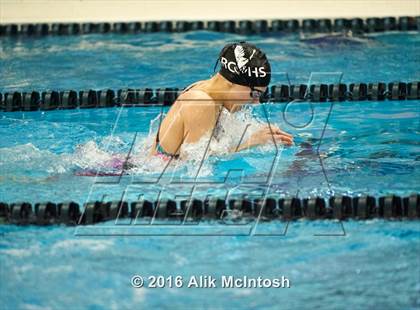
(323, 25)
(72, 99)
(293, 208)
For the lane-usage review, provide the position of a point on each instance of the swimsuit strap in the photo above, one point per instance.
(160, 123)
(159, 148)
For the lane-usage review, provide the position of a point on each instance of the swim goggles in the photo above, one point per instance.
(255, 93)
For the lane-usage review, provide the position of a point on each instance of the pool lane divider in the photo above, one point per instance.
(83, 99)
(337, 207)
(246, 27)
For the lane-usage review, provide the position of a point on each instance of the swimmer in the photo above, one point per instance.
(243, 78)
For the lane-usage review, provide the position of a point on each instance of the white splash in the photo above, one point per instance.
(197, 159)
(92, 245)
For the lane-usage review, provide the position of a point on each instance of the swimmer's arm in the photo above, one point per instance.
(199, 118)
(240, 147)
(188, 123)
(170, 133)
(265, 135)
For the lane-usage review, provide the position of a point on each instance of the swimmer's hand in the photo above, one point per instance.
(264, 135)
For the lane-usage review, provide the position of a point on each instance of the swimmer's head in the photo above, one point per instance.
(244, 64)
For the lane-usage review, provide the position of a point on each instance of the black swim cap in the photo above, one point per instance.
(244, 64)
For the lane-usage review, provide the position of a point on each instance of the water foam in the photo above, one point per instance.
(110, 152)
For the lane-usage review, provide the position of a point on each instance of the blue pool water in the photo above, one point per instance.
(348, 148)
(48, 150)
(175, 60)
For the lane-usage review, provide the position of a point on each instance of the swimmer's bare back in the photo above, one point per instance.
(192, 115)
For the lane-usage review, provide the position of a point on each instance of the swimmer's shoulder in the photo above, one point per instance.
(193, 85)
(195, 95)
(194, 92)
